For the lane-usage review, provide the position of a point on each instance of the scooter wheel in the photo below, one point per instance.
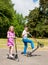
(29, 54)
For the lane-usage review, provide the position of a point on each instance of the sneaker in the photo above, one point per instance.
(25, 54)
(33, 49)
(22, 52)
(11, 56)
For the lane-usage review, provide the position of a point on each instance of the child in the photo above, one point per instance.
(10, 41)
(26, 40)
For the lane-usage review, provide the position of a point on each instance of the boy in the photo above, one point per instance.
(26, 40)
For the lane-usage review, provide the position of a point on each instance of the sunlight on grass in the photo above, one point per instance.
(3, 43)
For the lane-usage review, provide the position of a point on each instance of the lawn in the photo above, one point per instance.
(3, 43)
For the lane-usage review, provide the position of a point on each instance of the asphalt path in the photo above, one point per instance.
(38, 58)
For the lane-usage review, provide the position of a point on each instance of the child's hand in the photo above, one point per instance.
(12, 36)
(27, 32)
(16, 37)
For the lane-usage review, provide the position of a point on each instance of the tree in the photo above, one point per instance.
(33, 20)
(44, 14)
(38, 20)
(6, 16)
(9, 17)
(19, 22)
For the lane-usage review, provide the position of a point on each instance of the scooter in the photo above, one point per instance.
(29, 54)
(39, 44)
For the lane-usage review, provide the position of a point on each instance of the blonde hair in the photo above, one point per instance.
(10, 28)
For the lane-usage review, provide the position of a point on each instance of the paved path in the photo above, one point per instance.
(38, 58)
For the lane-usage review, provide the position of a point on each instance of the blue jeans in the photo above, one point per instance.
(25, 44)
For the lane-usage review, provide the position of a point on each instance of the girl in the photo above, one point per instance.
(10, 41)
(26, 40)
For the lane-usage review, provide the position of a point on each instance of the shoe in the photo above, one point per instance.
(22, 52)
(25, 54)
(33, 49)
(11, 56)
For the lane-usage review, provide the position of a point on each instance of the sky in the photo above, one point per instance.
(23, 6)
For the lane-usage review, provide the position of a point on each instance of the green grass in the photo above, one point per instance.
(3, 43)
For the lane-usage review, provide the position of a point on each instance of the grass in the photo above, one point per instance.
(3, 43)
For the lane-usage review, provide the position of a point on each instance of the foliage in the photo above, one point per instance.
(8, 17)
(38, 20)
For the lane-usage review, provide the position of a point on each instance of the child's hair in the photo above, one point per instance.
(10, 28)
(26, 26)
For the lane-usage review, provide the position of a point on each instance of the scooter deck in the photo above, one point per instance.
(30, 53)
(35, 49)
